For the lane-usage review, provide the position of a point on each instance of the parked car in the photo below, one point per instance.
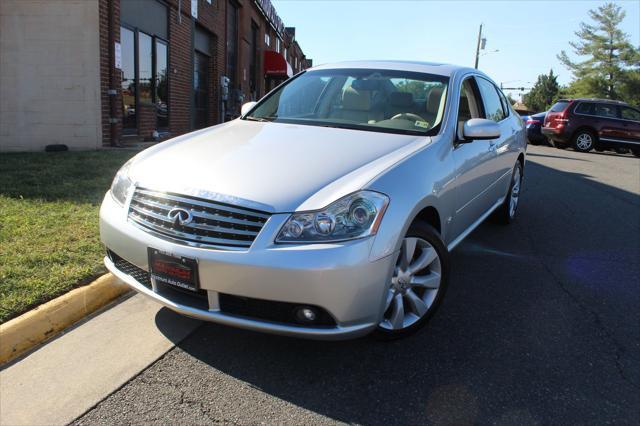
(534, 128)
(329, 209)
(587, 124)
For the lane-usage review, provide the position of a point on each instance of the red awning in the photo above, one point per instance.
(276, 66)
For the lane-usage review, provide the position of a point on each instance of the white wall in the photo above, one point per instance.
(49, 74)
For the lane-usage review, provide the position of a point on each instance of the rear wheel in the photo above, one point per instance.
(418, 283)
(636, 152)
(621, 150)
(584, 141)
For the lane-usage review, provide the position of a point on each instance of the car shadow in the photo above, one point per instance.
(612, 154)
(514, 341)
(531, 154)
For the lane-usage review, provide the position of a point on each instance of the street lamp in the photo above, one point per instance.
(491, 51)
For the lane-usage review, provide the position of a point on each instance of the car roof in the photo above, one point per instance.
(411, 66)
(604, 101)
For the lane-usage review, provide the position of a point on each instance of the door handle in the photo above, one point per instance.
(492, 146)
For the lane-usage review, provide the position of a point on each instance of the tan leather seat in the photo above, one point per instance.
(399, 103)
(356, 106)
(433, 103)
(464, 114)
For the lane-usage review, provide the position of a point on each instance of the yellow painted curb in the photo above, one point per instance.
(47, 320)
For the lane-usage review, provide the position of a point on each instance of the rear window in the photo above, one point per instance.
(559, 106)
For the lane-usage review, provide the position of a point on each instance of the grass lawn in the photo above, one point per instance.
(49, 240)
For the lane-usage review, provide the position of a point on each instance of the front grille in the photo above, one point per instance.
(280, 312)
(128, 268)
(214, 224)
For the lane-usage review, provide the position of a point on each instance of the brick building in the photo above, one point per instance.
(90, 73)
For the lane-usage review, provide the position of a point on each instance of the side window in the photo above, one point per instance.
(630, 114)
(492, 103)
(606, 110)
(585, 108)
(505, 103)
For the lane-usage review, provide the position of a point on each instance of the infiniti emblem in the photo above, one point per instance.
(180, 216)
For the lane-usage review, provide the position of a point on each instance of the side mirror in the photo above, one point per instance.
(480, 128)
(246, 108)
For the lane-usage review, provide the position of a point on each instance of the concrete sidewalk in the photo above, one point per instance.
(64, 378)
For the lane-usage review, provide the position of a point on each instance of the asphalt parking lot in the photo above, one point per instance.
(541, 324)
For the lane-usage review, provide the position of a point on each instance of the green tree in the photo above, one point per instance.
(544, 93)
(611, 65)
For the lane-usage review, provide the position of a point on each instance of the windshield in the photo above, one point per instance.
(364, 99)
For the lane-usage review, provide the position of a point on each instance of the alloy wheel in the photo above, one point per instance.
(584, 141)
(414, 285)
(515, 192)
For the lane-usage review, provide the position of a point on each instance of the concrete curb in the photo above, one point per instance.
(46, 321)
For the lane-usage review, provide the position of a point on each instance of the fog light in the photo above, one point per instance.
(306, 314)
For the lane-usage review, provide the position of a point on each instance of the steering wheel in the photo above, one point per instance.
(407, 116)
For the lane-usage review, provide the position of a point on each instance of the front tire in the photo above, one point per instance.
(584, 141)
(506, 213)
(418, 284)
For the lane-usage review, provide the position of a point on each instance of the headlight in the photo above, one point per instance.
(354, 216)
(121, 184)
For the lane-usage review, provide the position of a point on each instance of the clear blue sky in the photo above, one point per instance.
(528, 34)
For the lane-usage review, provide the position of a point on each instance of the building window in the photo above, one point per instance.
(201, 78)
(267, 39)
(143, 36)
(278, 44)
(145, 68)
(127, 42)
(161, 94)
(144, 78)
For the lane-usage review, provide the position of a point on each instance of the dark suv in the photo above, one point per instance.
(587, 124)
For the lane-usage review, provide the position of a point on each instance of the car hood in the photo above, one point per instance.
(274, 167)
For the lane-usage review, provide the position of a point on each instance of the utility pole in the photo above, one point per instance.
(478, 47)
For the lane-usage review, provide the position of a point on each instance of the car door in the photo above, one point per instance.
(610, 126)
(630, 118)
(502, 164)
(474, 161)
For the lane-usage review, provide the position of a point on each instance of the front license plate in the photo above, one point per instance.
(176, 271)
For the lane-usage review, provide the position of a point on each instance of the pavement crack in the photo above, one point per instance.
(619, 348)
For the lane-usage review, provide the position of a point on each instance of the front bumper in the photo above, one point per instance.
(338, 277)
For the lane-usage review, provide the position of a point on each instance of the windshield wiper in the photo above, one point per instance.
(259, 119)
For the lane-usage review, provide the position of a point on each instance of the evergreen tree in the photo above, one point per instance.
(611, 67)
(544, 93)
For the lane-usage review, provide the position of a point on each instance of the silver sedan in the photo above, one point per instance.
(328, 209)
